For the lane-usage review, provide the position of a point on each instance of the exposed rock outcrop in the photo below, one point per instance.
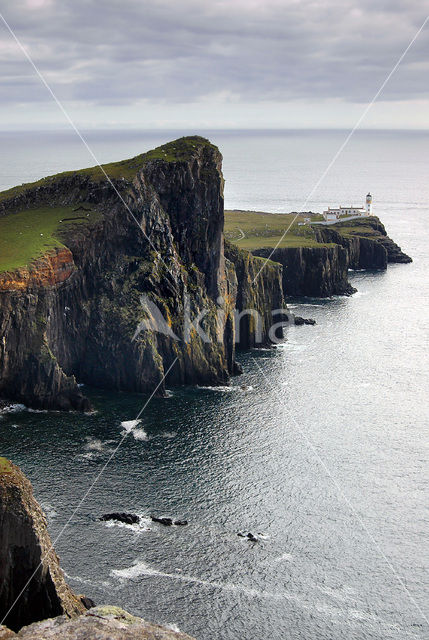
(323, 271)
(32, 585)
(87, 320)
(312, 271)
(259, 294)
(365, 241)
(100, 623)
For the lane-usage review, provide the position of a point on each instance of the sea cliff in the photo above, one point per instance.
(107, 251)
(316, 258)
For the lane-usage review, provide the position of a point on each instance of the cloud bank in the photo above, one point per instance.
(124, 53)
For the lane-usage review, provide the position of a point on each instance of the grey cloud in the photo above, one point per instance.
(118, 53)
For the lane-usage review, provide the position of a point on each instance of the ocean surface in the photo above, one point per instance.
(324, 457)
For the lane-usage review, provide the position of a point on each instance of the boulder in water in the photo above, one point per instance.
(127, 518)
(167, 522)
(300, 321)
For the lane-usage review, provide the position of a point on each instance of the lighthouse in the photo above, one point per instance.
(369, 204)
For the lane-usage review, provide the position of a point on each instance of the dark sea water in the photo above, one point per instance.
(325, 456)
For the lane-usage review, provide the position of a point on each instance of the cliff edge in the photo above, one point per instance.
(315, 257)
(84, 262)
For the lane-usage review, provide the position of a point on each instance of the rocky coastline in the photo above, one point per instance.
(322, 271)
(72, 314)
(35, 601)
(152, 235)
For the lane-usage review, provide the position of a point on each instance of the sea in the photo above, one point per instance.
(320, 449)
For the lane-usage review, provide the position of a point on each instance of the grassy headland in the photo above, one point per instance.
(256, 229)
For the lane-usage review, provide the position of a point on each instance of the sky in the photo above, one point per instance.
(228, 64)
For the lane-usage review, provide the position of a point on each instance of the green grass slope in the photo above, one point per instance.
(27, 235)
(256, 229)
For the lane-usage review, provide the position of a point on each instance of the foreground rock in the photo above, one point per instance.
(26, 549)
(100, 623)
(32, 585)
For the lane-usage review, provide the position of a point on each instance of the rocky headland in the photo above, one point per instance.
(316, 258)
(70, 312)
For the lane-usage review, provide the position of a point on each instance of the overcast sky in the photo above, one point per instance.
(214, 63)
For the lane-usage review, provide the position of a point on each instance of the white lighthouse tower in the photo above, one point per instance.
(369, 204)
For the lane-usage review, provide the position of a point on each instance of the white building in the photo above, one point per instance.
(332, 214)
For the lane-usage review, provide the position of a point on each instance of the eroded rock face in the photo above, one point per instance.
(259, 289)
(81, 323)
(100, 623)
(312, 271)
(26, 549)
(323, 271)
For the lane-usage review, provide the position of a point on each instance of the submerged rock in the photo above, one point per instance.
(237, 369)
(100, 623)
(32, 585)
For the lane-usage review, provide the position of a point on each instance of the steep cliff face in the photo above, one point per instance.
(323, 271)
(77, 313)
(26, 549)
(312, 271)
(365, 241)
(259, 294)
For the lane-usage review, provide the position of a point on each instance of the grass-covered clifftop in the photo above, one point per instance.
(315, 257)
(31, 226)
(29, 234)
(256, 229)
(179, 150)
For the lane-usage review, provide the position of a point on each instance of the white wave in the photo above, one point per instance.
(172, 626)
(39, 410)
(140, 434)
(284, 556)
(96, 447)
(144, 524)
(102, 583)
(222, 389)
(139, 569)
(335, 613)
(129, 425)
(13, 408)
(168, 434)
(49, 510)
(95, 444)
